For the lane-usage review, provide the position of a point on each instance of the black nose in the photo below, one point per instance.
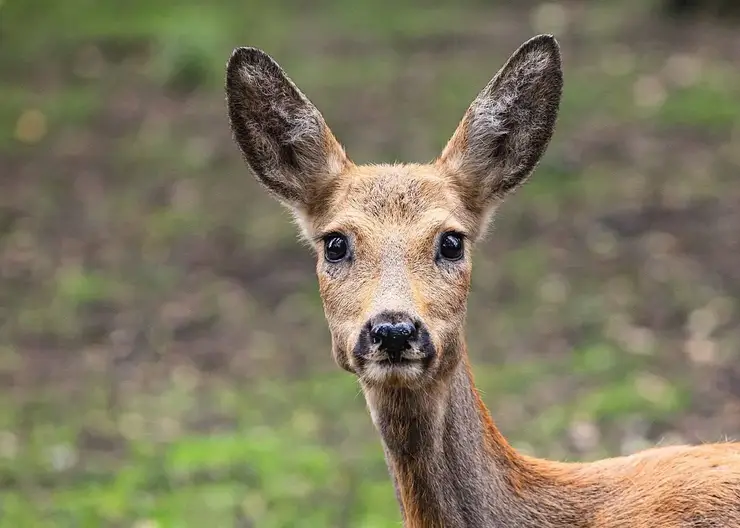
(393, 336)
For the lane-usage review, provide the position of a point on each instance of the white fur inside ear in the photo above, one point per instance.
(305, 124)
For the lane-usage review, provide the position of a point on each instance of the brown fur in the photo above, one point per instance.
(450, 465)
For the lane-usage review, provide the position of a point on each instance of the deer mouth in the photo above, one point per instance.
(397, 361)
(400, 373)
(401, 368)
(410, 357)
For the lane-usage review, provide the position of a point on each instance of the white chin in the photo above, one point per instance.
(407, 373)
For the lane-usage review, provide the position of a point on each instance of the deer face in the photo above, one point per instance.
(393, 242)
(394, 270)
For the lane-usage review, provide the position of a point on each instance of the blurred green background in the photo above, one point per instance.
(164, 361)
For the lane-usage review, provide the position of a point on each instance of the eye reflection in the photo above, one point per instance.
(335, 247)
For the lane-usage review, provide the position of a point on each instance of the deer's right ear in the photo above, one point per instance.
(282, 136)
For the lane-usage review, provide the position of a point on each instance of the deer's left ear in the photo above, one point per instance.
(282, 136)
(507, 128)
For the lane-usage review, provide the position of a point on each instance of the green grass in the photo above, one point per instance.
(273, 472)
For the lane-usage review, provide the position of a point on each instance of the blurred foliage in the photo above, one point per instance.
(164, 361)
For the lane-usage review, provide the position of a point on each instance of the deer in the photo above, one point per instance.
(393, 243)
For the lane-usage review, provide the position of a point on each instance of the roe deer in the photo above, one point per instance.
(394, 263)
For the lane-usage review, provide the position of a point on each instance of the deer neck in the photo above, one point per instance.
(450, 465)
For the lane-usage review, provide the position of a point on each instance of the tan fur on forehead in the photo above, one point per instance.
(409, 195)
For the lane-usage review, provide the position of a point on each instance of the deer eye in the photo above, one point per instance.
(451, 246)
(335, 247)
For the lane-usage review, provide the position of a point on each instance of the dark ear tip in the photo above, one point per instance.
(245, 57)
(545, 38)
(545, 42)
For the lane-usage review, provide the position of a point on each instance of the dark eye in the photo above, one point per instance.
(335, 247)
(451, 246)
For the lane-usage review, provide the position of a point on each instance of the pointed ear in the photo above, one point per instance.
(507, 128)
(282, 136)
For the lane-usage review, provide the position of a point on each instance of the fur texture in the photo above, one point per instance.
(449, 463)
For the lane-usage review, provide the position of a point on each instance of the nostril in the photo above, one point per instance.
(379, 333)
(405, 330)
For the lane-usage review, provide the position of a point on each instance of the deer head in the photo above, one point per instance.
(393, 242)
